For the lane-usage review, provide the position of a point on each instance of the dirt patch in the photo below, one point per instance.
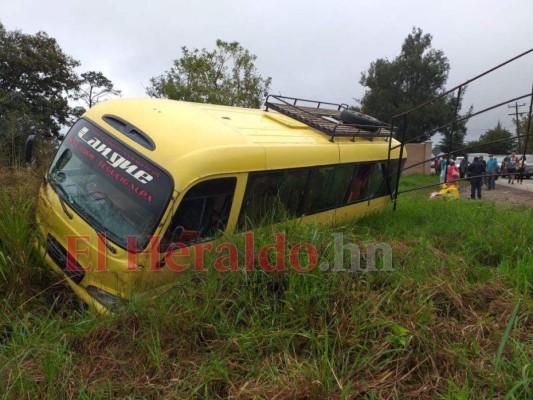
(501, 195)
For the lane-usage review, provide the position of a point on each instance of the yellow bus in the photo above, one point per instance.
(135, 169)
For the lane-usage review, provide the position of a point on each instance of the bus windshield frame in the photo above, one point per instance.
(116, 190)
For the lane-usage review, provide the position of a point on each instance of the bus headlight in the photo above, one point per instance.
(109, 300)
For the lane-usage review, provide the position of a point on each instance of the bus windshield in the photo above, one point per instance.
(117, 191)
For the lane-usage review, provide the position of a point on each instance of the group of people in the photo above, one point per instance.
(448, 172)
(481, 171)
(489, 173)
(515, 167)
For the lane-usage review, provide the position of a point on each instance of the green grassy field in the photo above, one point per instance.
(451, 321)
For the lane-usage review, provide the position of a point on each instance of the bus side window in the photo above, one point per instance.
(335, 190)
(261, 201)
(377, 186)
(292, 190)
(360, 183)
(203, 212)
(393, 173)
(327, 187)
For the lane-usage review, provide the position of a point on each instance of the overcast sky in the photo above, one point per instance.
(311, 49)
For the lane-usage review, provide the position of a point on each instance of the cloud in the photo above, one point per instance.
(310, 48)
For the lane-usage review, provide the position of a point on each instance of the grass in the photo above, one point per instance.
(452, 321)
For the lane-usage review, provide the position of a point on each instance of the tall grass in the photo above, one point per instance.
(450, 321)
(20, 268)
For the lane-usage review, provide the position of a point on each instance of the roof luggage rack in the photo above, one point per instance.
(335, 120)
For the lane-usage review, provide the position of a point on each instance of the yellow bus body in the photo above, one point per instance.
(196, 142)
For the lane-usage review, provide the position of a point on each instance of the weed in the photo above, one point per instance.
(452, 320)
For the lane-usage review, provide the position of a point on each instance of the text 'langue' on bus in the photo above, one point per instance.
(131, 170)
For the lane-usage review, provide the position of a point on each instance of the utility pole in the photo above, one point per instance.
(517, 122)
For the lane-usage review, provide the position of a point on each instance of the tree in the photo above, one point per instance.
(453, 135)
(475, 146)
(497, 133)
(418, 74)
(95, 87)
(226, 75)
(484, 143)
(36, 79)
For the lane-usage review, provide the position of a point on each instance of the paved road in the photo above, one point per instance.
(527, 185)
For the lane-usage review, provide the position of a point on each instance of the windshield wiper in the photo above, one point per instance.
(57, 186)
(97, 228)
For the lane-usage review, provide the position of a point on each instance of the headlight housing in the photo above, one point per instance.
(108, 300)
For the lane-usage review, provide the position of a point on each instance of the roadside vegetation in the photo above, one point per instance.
(453, 320)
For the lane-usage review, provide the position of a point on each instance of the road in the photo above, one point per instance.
(527, 185)
(505, 194)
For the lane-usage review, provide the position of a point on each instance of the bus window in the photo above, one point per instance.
(113, 188)
(360, 183)
(393, 173)
(261, 200)
(377, 186)
(337, 187)
(273, 196)
(316, 189)
(202, 213)
(292, 190)
(327, 187)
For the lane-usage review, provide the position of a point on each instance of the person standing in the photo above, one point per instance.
(452, 175)
(436, 165)
(511, 167)
(462, 167)
(503, 168)
(521, 168)
(476, 171)
(482, 161)
(492, 168)
(443, 171)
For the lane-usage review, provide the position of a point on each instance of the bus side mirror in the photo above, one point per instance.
(29, 150)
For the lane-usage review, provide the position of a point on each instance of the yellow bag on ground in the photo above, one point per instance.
(447, 193)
